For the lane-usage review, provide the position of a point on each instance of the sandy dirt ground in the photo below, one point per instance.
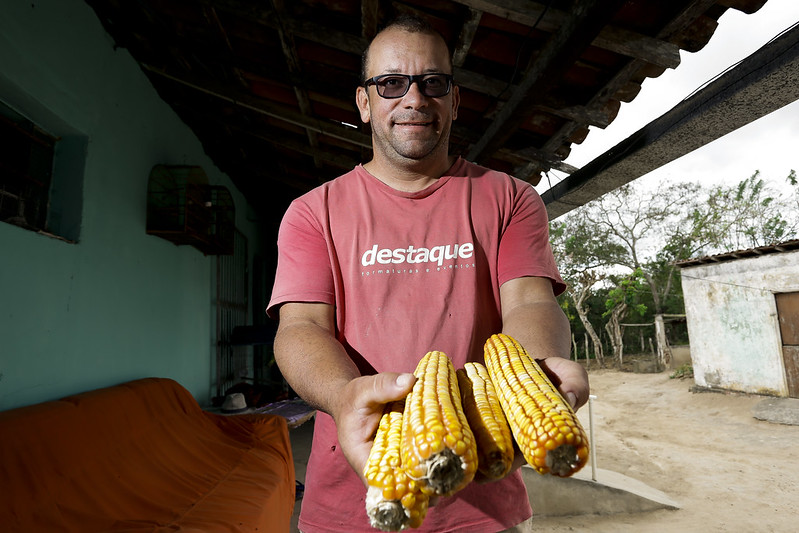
(728, 471)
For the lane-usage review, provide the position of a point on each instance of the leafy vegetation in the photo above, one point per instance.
(683, 371)
(619, 255)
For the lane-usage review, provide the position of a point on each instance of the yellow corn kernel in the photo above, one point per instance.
(393, 500)
(544, 425)
(444, 460)
(487, 421)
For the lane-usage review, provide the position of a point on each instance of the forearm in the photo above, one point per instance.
(532, 316)
(319, 369)
(314, 363)
(541, 327)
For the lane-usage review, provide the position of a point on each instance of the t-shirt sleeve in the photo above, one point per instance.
(303, 270)
(524, 248)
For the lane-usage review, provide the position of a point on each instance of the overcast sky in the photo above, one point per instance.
(770, 144)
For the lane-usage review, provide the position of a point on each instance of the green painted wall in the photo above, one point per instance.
(119, 304)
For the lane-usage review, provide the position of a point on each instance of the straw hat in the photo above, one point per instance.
(234, 404)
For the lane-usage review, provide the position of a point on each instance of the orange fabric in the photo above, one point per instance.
(142, 456)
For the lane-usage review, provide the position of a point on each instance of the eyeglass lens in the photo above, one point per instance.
(397, 85)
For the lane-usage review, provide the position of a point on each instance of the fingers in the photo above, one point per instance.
(367, 394)
(572, 399)
(388, 387)
(569, 377)
(364, 399)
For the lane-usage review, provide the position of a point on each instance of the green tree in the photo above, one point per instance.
(584, 258)
(749, 214)
(636, 229)
(637, 220)
(620, 300)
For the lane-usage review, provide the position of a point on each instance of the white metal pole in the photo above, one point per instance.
(592, 443)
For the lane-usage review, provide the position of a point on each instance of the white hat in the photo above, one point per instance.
(234, 403)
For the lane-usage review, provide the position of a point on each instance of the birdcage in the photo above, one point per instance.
(185, 210)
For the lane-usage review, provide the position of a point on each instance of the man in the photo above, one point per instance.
(416, 250)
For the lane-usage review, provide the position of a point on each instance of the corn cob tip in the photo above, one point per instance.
(439, 450)
(445, 472)
(544, 425)
(489, 425)
(564, 460)
(498, 465)
(393, 501)
(385, 515)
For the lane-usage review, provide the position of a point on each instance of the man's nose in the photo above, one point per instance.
(414, 94)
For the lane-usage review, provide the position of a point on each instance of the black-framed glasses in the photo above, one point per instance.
(434, 85)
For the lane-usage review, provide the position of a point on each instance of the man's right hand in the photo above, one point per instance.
(359, 409)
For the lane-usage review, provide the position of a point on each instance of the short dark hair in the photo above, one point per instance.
(411, 24)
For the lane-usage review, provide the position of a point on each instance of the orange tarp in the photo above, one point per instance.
(142, 456)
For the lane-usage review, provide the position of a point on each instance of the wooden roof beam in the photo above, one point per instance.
(615, 84)
(760, 84)
(559, 53)
(295, 69)
(369, 16)
(614, 39)
(263, 14)
(265, 107)
(466, 36)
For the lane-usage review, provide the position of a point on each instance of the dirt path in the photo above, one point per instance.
(729, 471)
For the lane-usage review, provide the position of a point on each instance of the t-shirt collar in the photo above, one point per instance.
(454, 171)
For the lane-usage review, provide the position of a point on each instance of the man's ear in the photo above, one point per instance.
(362, 101)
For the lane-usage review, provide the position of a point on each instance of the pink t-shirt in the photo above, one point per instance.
(409, 273)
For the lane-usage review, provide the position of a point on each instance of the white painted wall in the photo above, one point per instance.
(732, 321)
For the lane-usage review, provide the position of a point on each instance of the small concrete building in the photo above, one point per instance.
(742, 310)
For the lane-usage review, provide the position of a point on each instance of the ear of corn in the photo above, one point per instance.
(394, 501)
(438, 446)
(487, 421)
(544, 425)
(451, 424)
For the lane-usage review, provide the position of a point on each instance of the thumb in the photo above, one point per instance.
(391, 386)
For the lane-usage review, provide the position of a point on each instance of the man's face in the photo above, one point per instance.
(413, 127)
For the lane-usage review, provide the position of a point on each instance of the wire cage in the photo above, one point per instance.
(185, 210)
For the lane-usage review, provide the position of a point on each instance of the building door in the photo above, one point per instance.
(788, 313)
